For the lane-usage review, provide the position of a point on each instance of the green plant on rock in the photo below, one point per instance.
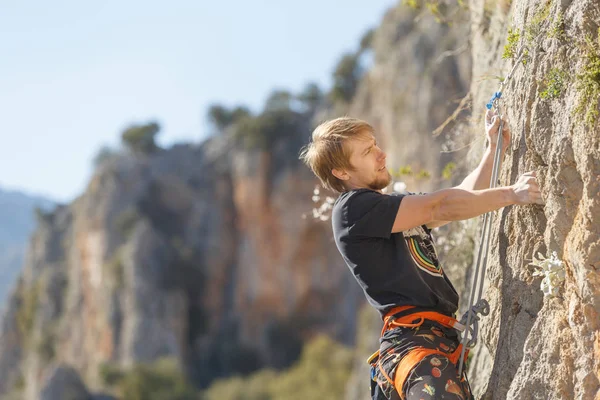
(28, 303)
(557, 29)
(434, 9)
(405, 170)
(46, 345)
(512, 40)
(525, 56)
(534, 28)
(510, 48)
(441, 11)
(423, 174)
(448, 170)
(160, 380)
(554, 83)
(588, 82)
(115, 268)
(141, 138)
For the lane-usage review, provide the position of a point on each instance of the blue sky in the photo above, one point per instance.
(74, 74)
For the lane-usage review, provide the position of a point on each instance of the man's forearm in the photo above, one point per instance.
(480, 177)
(455, 204)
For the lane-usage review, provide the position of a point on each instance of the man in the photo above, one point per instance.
(386, 242)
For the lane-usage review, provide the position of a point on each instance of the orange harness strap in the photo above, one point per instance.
(390, 314)
(410, 361)
(407, 321)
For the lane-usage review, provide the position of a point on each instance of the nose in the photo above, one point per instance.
(382, 156)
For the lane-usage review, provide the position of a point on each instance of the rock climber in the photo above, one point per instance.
(385, 239)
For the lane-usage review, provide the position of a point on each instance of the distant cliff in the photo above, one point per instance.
(196, 252)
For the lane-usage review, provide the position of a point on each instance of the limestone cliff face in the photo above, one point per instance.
(544, 347)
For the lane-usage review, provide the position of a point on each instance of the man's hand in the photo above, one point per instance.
(492, 123)
(527, 190)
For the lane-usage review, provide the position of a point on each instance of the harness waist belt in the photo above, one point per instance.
(413, 316)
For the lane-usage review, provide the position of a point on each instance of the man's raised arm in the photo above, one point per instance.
(480, 177)
(455, 204)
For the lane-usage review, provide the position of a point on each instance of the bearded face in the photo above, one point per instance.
(369, 164)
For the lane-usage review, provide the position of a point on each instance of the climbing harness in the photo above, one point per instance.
(409, 317)
(481, 306)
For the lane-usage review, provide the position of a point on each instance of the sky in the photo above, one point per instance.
(75, 74)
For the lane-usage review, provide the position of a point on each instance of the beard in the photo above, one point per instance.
(380, 183)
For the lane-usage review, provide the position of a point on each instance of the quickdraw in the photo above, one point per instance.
(481, 306)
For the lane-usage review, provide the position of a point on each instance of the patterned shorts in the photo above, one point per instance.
(433, 377)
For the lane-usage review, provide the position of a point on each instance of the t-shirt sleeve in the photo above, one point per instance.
(372, 214)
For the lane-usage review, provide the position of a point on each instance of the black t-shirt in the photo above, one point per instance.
(393, 269)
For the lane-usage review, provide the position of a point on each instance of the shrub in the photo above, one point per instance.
(141, 138)
(160, 380)
(321, 373)
(448, 170)
(553, 84)
(511, 43)
(345, 78)
(588, 82)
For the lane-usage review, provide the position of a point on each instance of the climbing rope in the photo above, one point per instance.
(481, 306)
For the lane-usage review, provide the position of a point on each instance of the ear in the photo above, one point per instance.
(341, 174)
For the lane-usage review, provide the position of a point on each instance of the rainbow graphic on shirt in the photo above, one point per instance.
(422, 251)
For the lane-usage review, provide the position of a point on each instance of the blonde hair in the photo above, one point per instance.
(326, 151)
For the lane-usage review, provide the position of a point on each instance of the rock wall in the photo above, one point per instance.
(544, 347)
